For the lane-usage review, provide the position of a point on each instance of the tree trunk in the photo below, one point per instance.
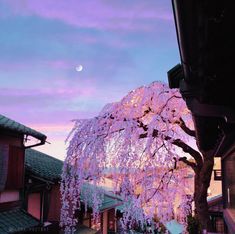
(201, 185)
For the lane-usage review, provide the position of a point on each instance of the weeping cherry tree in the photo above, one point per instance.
(140, 140)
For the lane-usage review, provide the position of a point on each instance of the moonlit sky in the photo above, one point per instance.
(121, 44)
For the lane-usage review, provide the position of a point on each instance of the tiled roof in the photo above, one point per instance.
(16, 220)
(110, 202)
(50, 168)
(9, 124)
(215, 203)
(43, 165)
(214, 198)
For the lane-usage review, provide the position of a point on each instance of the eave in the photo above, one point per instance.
(205, 78)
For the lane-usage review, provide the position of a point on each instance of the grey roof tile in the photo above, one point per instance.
(9, 124)
(50, 168)
(43, 165)
(16, 220)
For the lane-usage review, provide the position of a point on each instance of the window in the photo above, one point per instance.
(219, 225)
(4, 152)
(34, 205)
(111, 220)
(229, 180)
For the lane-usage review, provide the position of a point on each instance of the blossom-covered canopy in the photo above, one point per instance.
(138, 141)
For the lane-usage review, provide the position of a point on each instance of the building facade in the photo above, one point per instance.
(13, 142)
(205, 79)
(43, 200)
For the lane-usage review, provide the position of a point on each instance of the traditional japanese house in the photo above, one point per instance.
(215, 205)
(42, 196)
(13, 142)
(42, 193)
(206, 81)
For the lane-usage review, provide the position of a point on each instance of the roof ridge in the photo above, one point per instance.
(10, 124)
(46, 155)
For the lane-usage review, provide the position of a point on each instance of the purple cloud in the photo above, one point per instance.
(97, 14)
(121, 45)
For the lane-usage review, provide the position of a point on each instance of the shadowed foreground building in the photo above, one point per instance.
(206, 82)
(30, 188)
(13, 142)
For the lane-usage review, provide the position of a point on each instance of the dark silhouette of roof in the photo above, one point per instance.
(206, 74)
(9, 124)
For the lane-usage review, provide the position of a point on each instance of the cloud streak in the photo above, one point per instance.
(102, 14)
(121, 45)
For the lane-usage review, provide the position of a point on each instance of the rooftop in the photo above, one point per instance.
(43, 165)
(9, 124)
(16, 220)
(49, 168)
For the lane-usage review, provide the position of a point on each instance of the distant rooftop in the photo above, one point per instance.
(16, 220)
(49, 168)
(43, 165)
(9, 124)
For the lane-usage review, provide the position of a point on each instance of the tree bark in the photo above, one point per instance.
(201, 185)
(203, 167)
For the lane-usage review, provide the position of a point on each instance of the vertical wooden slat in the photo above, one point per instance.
(4, 152)
(15, 177)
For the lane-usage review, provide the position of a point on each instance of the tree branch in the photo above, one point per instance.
(186, 129)
(168, 100)
(185, 147)
(188, 149)
(191, 164)
(161, 183)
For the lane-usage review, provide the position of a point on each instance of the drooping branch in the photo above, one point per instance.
(168, 100)
(112, 141)
(162, 182)
(186, 129)
(187, 162)
(178, 142)
(188, 149)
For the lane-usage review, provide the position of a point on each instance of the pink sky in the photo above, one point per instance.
(121, 45)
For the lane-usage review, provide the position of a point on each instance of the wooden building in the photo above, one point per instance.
(206, 81)
(42, 196)
(30, 187)
(42, 193)
(13, 137)
(215, 205)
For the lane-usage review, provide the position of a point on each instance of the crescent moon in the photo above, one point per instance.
(79, 68)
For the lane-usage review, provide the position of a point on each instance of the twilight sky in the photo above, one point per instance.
(121, 44)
